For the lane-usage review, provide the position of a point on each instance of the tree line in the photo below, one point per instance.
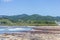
(29, 20)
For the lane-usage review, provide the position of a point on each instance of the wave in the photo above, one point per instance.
(16, 29)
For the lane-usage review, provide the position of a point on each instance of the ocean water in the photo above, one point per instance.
(14, 29)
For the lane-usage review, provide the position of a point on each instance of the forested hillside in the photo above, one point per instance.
(28, 20)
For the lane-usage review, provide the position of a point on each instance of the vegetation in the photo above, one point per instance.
(28, 20)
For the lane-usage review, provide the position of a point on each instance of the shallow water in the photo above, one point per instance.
(14, 29)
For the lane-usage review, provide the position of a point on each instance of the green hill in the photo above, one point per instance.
(28, 20)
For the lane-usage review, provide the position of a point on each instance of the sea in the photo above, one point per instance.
(12, 29)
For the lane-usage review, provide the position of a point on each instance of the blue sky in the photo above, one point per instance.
(41, 7)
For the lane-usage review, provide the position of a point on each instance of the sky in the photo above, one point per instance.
(41, 7)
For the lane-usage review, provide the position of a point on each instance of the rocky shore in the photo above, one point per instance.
(29, 36)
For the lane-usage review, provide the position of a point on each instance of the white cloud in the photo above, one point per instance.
(7, 0)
